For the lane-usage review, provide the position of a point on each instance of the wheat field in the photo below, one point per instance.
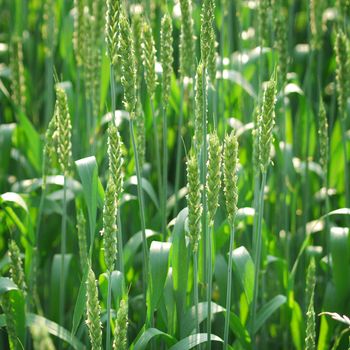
(174, 174)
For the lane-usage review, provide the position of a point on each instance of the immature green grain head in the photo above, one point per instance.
(316, 11)
(310, 339)
(136, 25)
(207, 35)
(211, 59)
(49, 29)
(198, 114)
(193, 201)
(187, 40)
(93, 312)
(81, 229)
(16, 268)
(266, 122)
(140, 134)
(263, 22)
(99, 12)
(255, 136)
(112, 29)
(109, 225)
(11, 321)
(79, 30)
(342, 71)
(41, 337)
(115, 157)
(49, 152)
(149, 58)
(281, 42)
(128, 66)
(230, 174)
(323, 137)
(120, 341)
(166, 55)
(89, 49)
(213, 175)
(64, 127)
(18, 86)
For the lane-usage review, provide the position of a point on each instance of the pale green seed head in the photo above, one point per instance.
(316, 11)
(310, 338)
(49, 27)
(187, 40)
(342, 71)
(115, 157)
(109, 230)
(120, 341)
(16, 268)
(207, 34)
(81, 230)
(18, 85)
(213, 176)
(193, 201)
(230, 174)
(79, 30)
(93, 312)
(136, 24)
(198, 114)
(49, 152)
(323, 138)
(166, 54)
(149, 58)
(112, 29)
(63, 129)
(266, 122)
(128, 66)
(140, 134)
(263, 22)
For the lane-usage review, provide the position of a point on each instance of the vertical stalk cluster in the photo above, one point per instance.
(266, 122)
(310, 338)
(166, 55)
(18, 85)
(93, 312)
(342, 73)
(194, 220)
(129, 82)
(64, 156)
(212, 192)
(230, 165)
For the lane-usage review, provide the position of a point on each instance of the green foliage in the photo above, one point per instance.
(183, 236)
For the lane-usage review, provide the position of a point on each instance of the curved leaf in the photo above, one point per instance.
(134, 243)
(152, 333)
(6, 285)
(267, 310)
(194, 340)
(146, 186)
(87, 169)
(179, 260)
(244, 268)
(240, 331)
(188, 324)
(55, 330)
(158, 265)
(12, 197)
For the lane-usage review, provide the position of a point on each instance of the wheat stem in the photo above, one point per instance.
(142, 208)
(63, 250)
(178, 148)
(157, 150)
(229, 287)
(165, 173)
(257, 252)
(109, 297)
